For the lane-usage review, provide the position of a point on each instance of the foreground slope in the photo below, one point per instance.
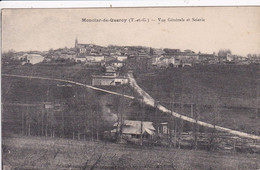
(42, 153)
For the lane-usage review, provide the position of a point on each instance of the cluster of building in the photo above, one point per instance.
(111, 77)
(91, 54)
(177, 58)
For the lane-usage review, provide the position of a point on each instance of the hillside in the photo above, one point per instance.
(77, 109)
(228, 91)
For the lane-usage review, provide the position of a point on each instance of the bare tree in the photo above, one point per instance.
(257, 100)
(196, 97)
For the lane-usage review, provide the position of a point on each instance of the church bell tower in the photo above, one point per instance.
(76, 42)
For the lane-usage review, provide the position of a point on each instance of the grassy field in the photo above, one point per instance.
(78, 104)
(233, 85)
(47, 153)
(76, 72)
(229, 91)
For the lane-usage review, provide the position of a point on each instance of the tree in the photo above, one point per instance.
(215, 103)
(151, 51)
(8, 54)
(9, 58)
(224, 52)
(51, 51)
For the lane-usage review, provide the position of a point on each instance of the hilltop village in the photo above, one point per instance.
(91, 54)
(115, 59)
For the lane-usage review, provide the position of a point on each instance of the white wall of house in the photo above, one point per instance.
(99, 58)
(95, 58)
(82, 50)
(121, 80)
(108, 81)
(170, 60)
(82, 59)
(187, 56)
(156, 60)
(34, 59)
(229, 58)
(121, 58)
(118, 65)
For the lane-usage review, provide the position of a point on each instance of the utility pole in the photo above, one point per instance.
(47, 111)
(78, 131)
(170, 124)
(180, 132)
(96, 117)
(46, 125)
(28, 114)
(22, 123)
(156, 111)
(196, 127)
(156, 118)
(97, 128)
(92, 127)
(257, 102)
(62, 119)
(85, 123)
(181, 121)
(53, 131)
(27, 122)
(43, 107)
(62, 114)
(191, 110)
(175, 131)
(121, 115)
(141, 137)
(73, 127)
(52, 123)
(85, 115)
(29, 127)
(117, 128)
(213, 135)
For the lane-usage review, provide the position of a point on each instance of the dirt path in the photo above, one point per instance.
(150, 101)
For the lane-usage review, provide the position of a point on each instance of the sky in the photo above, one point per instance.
(234, 28)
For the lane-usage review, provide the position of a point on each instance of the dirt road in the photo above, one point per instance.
(150, 101)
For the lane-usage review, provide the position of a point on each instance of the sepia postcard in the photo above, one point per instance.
(131, 88)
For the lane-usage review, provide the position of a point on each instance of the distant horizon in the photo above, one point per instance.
(182, 50)
(234, 28)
